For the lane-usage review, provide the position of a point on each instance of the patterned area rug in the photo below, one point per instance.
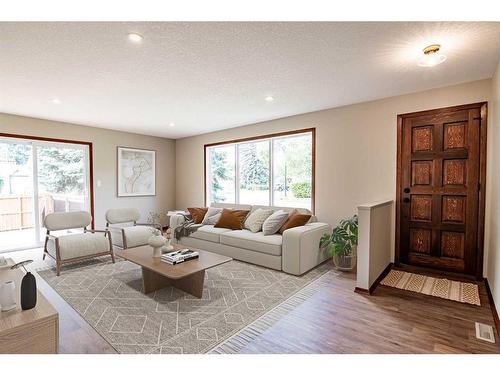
(442, 288)
(108, 296)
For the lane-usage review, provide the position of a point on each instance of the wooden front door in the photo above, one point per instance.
(440, 202)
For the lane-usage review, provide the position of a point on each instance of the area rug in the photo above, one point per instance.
(108, 296)
(442, 288)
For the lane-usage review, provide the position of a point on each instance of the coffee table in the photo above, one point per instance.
(188, 276)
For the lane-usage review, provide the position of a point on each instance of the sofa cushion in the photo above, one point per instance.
(255, 220)
(274, 222)
(212, 216)
(253, 241)
(295, 219)
(209, 233)
(305, 211)
(232, 219)
(197, 213)
(78, 245)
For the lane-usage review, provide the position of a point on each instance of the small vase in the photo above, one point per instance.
(168, 246)
(28, 291)
(8, 295)
(156, 242)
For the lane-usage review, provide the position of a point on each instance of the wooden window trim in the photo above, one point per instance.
(77, 142)
(267, 136)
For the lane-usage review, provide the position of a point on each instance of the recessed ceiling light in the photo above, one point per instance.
(55, 101)
(172, 124)
(134, 37)
(269, 98)
(432, 56)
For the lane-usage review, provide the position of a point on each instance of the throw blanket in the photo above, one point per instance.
(186, 228)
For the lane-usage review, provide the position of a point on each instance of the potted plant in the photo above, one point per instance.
(342, 244)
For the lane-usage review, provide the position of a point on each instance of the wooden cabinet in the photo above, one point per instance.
(34, 331)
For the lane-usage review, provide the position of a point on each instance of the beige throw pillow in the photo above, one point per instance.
(212, 216)
(274, 222)
(255, 220)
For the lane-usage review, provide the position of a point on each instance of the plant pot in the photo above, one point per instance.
(346, 262)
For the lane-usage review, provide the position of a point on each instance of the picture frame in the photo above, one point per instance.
(136, 172)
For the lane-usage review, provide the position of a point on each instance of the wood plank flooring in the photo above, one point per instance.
(333, 320)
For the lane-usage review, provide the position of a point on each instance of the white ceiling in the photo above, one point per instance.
(210, 76)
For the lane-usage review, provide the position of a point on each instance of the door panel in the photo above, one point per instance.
(439, 174)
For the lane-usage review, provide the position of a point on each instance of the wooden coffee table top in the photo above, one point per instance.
(143, 256)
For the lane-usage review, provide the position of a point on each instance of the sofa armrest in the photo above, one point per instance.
(300, 249)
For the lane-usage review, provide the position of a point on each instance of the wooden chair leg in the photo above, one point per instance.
(58, 267)
(44, 255)
(112, 256)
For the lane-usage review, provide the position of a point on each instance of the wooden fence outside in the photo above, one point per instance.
(16, 211)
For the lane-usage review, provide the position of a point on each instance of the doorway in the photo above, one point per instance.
(441, 189)
(39, 176)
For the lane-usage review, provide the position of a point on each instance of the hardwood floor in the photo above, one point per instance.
(336, 320)
(333, 320)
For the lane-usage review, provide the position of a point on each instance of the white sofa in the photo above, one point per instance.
(295, 252)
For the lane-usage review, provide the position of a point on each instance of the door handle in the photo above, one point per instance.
(406, 190)
(406, 200)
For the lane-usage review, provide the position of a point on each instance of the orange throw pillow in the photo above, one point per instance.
(232, 219)
(295, 219)
(198, 213)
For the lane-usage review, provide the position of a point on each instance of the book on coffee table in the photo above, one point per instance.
(179, 256)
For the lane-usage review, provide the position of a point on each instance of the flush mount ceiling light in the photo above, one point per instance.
(432, 56)
(135, 38)
(55, 101)
(269, 98)
(171, 124)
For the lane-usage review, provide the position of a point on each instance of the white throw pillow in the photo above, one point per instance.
(255, 220)
(212, 216)
(274, 222)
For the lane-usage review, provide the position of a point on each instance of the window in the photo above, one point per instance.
(272, 170)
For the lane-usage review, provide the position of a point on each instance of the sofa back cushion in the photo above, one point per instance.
(232, 219)
(274, 222)
(295, 219)
(235, 206)
(232, 206)
(198, 213)
(304, 211)
(256, 218)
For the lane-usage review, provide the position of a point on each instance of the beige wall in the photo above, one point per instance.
(356, 148)
(492, 241)
(104, 147)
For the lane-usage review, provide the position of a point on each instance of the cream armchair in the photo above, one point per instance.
(74, 247)
(127, 232)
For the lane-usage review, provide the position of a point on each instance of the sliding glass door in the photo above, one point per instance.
(38, 178)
